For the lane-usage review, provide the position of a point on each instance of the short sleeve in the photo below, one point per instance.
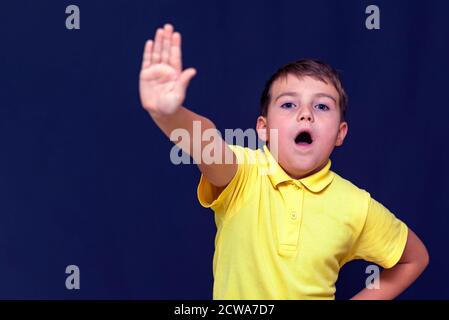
(382, 239)
(219, 199)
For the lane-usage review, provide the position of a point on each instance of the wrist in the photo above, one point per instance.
(157, 115)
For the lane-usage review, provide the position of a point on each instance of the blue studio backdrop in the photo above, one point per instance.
(85, 174)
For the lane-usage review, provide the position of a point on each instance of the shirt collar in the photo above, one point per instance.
(315, 182)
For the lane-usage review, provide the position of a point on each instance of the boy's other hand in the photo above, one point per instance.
(163, 83)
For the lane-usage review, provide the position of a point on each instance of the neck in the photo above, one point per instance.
(298, 176)
(306, 174)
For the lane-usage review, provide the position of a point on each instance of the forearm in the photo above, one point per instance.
(392, 282)
(218, 162)
(183, 119)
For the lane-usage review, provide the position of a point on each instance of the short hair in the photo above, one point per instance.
(306, 67)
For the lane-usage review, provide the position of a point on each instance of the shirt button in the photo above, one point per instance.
(293, 215)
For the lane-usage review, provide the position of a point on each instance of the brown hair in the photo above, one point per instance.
(306, 67)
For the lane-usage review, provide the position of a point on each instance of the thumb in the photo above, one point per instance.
(185, 77)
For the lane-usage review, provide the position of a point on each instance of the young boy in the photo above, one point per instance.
(283, 233)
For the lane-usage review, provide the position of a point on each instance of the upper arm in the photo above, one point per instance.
(415, 251)
(223, 167)
(382, 239)
(233, 192)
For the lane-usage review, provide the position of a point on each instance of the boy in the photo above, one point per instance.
(285, 232)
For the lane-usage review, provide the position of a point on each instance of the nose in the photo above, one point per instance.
(305, 114)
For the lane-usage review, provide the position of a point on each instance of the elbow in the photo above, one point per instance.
(422, 260)
(425, 259)
(416, 252)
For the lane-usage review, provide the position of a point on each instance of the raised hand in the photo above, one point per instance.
(163, 83)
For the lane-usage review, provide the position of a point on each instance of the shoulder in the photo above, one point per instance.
(352, 200)
(349, 189)
(246, 155)
(253, 161)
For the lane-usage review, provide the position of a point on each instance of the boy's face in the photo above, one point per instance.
(307, 106)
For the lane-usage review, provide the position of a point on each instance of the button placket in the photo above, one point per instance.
(291, 220)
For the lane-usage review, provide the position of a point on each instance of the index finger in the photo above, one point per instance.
(175, 52)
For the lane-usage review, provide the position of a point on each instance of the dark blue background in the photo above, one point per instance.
(85, 175)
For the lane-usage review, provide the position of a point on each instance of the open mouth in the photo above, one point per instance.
(304, 138)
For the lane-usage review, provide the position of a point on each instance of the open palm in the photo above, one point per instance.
(163, 83)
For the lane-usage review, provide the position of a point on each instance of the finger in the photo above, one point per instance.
(185, 77)
(175, 52)
(166, 43)
(146, 61)
(156, 55)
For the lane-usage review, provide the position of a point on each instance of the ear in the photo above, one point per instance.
(342, 131)
(261, 127)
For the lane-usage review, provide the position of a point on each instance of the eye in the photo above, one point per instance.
(288, 105)
(322, 106)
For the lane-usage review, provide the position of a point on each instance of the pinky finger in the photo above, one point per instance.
(147, 54)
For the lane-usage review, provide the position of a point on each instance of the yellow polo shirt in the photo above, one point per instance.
(282, 238)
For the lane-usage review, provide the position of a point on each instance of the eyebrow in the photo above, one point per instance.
(295, 94)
